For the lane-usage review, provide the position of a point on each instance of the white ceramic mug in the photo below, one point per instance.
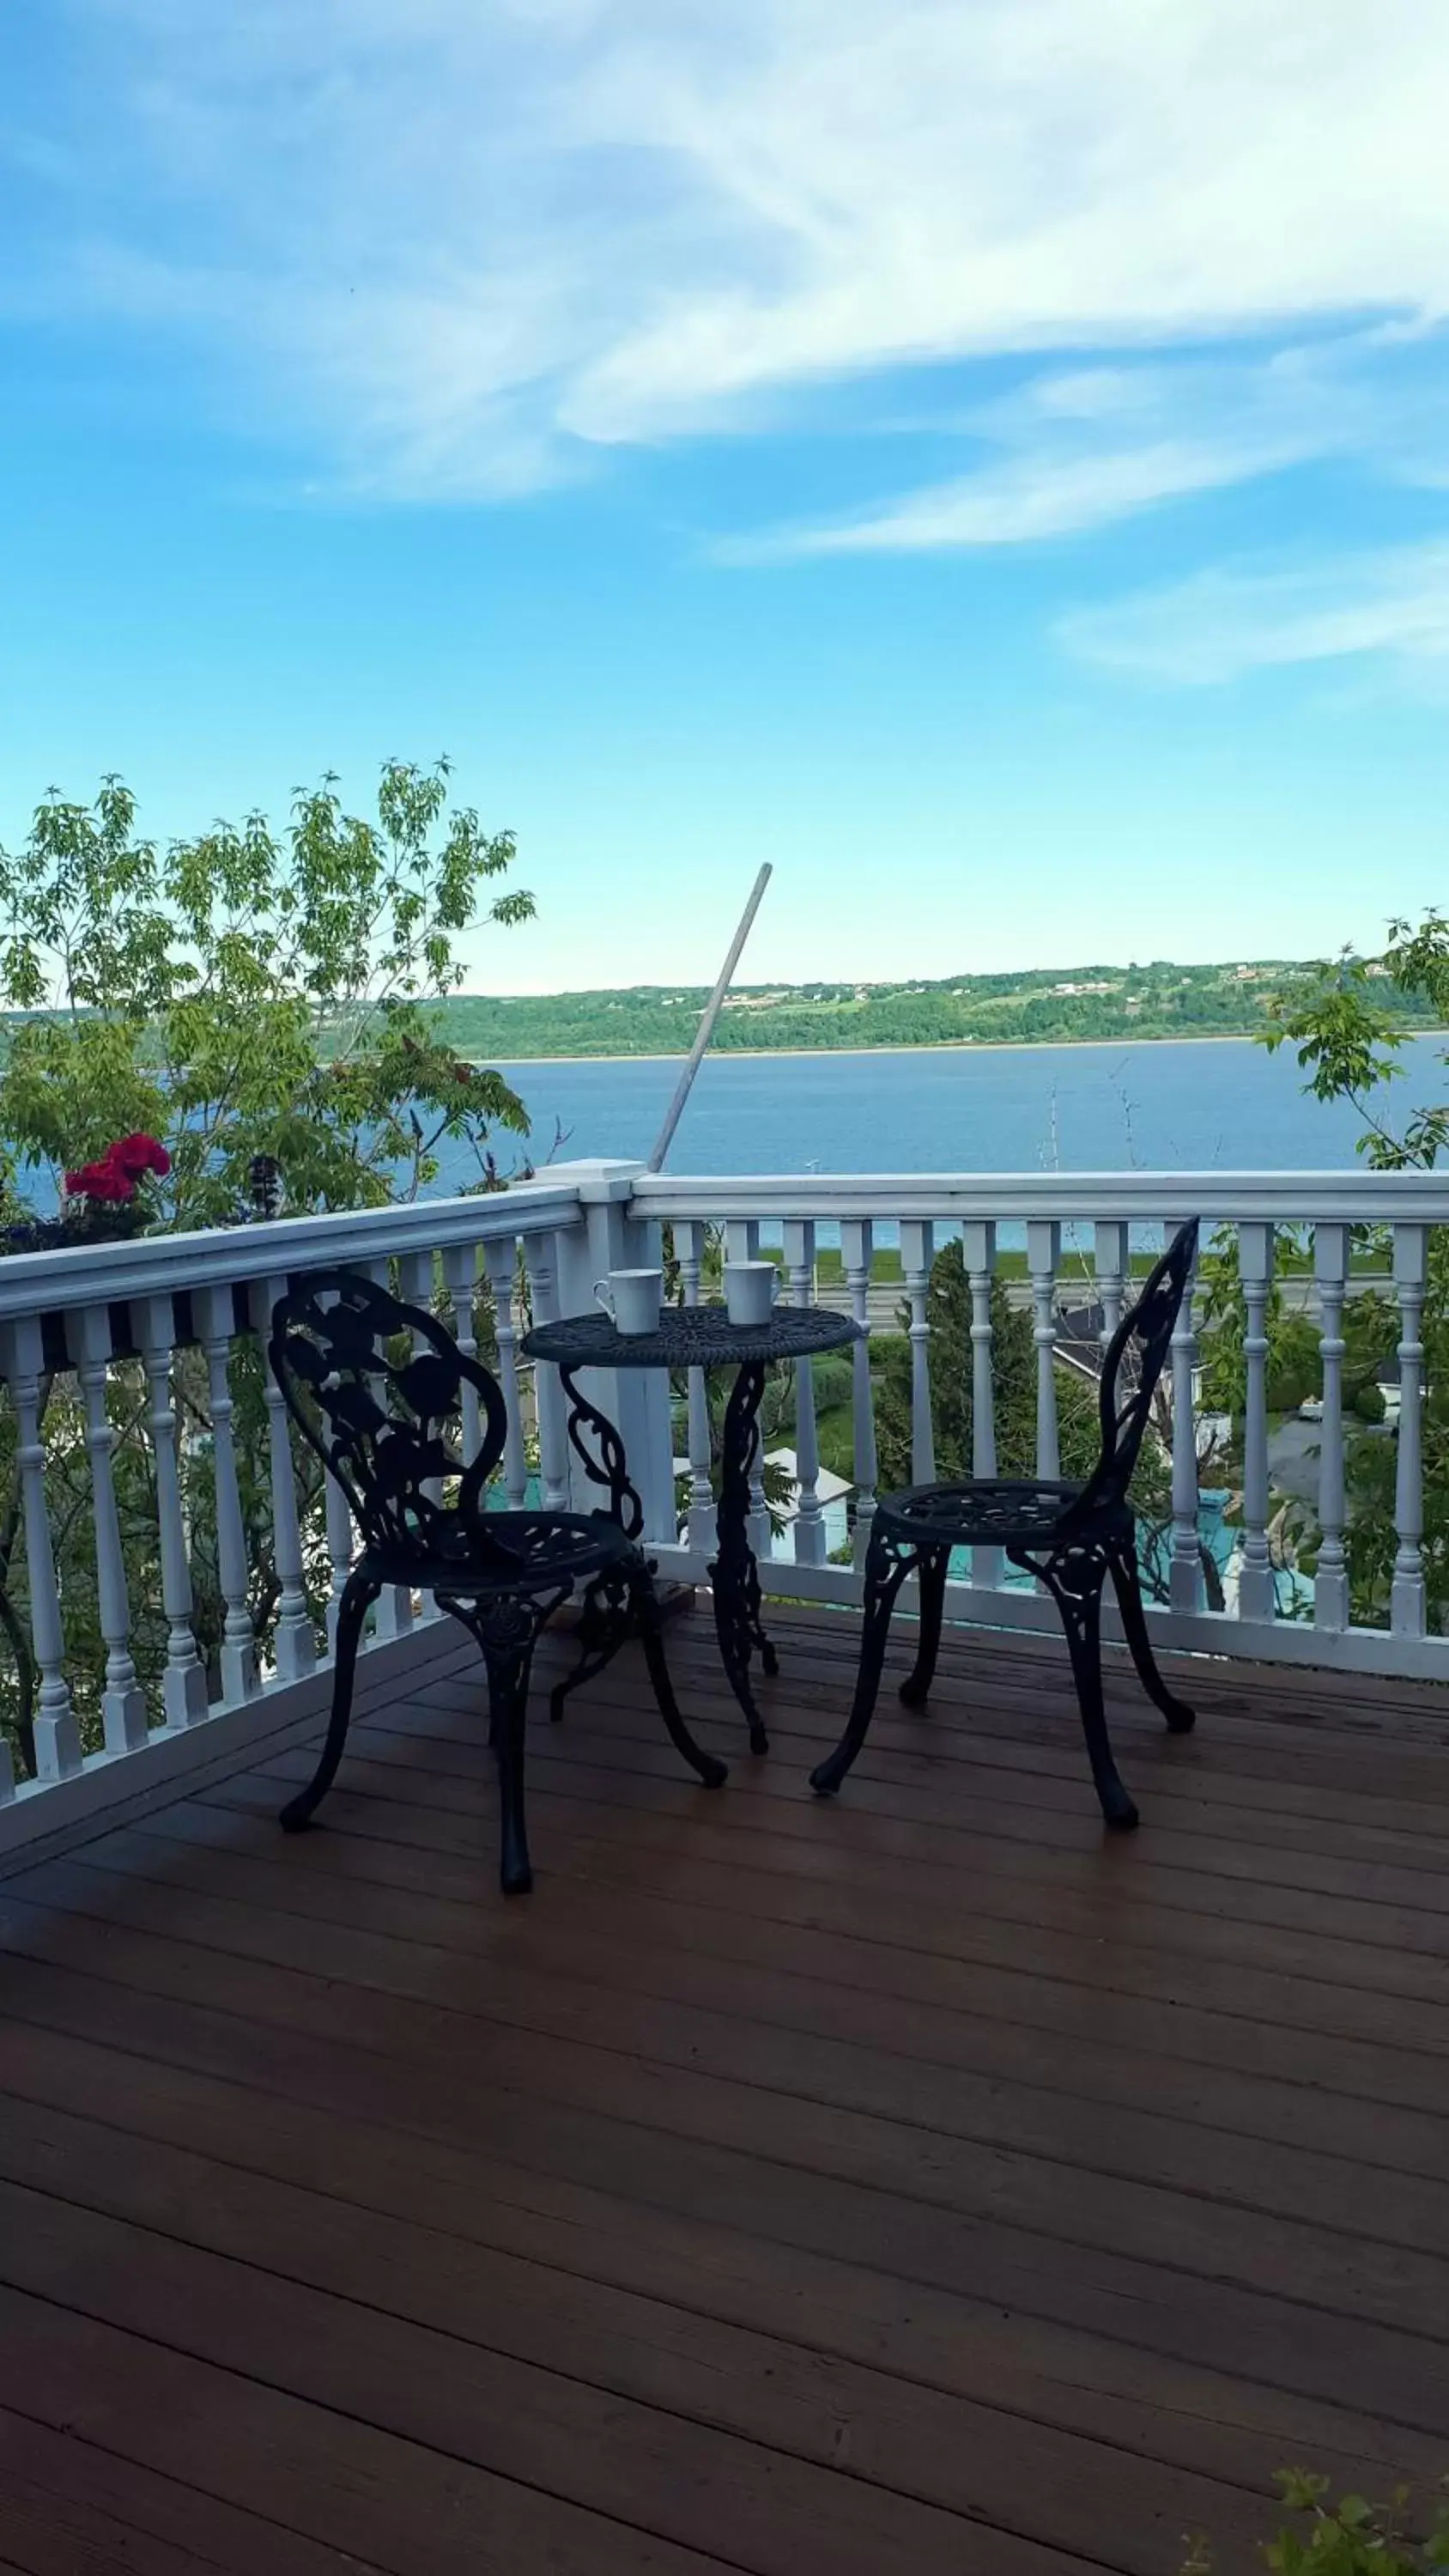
(750, 1291)
(632, 1299)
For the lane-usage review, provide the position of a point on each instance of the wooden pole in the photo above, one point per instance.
(705, 1031)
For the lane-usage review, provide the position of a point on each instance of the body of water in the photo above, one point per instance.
(1171, 1106)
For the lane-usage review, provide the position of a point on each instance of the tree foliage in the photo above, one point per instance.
(1343, 1025)
(259, 999)
(252, 993)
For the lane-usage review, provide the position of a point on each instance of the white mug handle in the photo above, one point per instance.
(604, 1296)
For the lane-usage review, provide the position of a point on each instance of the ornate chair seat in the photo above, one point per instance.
(509, 1552)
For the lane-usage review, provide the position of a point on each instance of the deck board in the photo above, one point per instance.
(915, 2181)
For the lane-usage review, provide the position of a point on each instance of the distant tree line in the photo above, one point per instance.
(1159, 1000)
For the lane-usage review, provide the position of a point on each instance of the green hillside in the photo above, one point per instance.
(1079, 1003)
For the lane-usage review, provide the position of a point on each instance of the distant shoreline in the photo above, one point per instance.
(935, 1046)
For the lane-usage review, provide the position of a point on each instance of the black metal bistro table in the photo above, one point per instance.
(687, 1337)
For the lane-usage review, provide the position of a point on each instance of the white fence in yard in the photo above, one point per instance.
(78, 1313)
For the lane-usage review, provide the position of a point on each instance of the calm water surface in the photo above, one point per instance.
(1183, 1106)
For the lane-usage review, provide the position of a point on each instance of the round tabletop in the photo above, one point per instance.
(691, 1337)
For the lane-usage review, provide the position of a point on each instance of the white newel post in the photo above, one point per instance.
(296, 1649)
(1111, 1248)
(1330, 1583)
(1406, 1597)
(183, 1684)
(636, 1401)
(810, 1547)
(918, 1244)
(1184, 1571)
(856, 1243)
(978, 1252)
(500, 1256)
(123, 1702)
(1043, 1257)
(57, 1734)
(1257, 1592)
(742, 1243)
(216, 1323)
(689, 1252)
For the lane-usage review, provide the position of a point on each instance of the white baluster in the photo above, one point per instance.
(216, 1322)
(415, 1273)
(1406, 1598)
(810, 1534)
(856, 1242)
(123, 1702)
(393, 1616)
(689, 1247)
(541, 1262)
(1330, 1583)
(183, 1684)
(1043, 1256)
(1256, 1589)
(341, 1549)
(296, 1647)
(1112, 1257)
(1184, 1574)
(917, 1252)
(57, 1735)
(742, 1243)
(501, 1259)
(460, 1277)
(978, 1251)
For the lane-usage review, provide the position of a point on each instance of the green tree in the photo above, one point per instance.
(248, 993)
(1344, 1021)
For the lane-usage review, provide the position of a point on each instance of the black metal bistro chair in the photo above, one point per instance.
(1071, 1536)
(387, 1427)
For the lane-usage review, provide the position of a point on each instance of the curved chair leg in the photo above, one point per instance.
(1075, 1583)
(359, 1594)
(604, 1626)
(915, 1689)
(1123, 1567)
(509, 1663)
(644, 1603)
(1083, 1623)
(885, 1572)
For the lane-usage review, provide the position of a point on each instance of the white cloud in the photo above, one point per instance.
(463, 243)
(1222, 624)
(1078, 448)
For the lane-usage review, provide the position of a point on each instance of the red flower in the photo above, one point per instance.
(134, 1155)
(100, 1181)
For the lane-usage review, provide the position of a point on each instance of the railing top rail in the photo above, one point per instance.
(152, 1265)
(1272, 1198)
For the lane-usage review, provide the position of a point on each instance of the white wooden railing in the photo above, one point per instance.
(74, 1312)
(1053, 1219)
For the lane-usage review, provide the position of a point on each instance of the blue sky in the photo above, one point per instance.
(991, 461)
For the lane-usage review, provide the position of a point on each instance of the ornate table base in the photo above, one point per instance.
(606, 1619)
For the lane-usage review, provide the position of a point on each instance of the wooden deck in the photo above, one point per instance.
(915, 2183)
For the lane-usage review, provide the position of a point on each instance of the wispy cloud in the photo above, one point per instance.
(1221, 624)
(462, 248)
(1080, 448)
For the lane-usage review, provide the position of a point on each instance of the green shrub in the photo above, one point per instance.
(1351, 2538)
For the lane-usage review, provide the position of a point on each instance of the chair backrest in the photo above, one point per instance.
(1133, 1366)
(386, 1423)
